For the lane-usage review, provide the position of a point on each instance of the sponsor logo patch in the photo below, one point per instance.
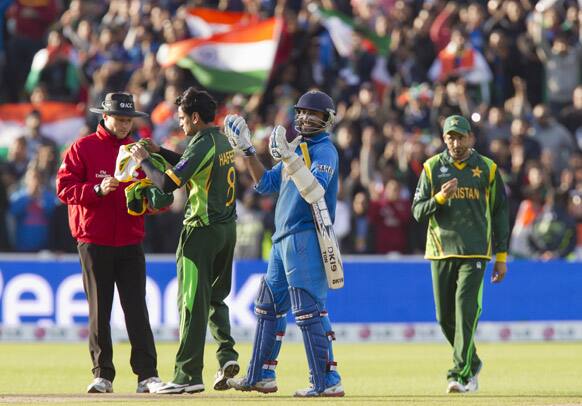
(444, 172)
(325, 169)
(102, 174)
(180, 165)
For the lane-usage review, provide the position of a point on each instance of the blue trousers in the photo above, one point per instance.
(296, 261)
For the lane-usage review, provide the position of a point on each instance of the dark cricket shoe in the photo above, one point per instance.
(228, 370)
(172, 388)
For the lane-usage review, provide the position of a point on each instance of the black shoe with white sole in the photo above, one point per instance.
(228, 370)
(172, 388)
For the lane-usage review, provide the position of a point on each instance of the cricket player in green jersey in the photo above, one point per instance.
(462, 195)
(206, 248)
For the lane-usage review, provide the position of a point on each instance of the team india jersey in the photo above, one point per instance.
(207, 169)
(292, 213)
(474, 222)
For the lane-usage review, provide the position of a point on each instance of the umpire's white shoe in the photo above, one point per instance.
(149, 385)
(172, 388)
(268, 385)
(100, 385)
(228, 370)
(456, 387)
(335, 391)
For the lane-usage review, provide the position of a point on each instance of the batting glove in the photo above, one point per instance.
(279, 147)
(238, 134)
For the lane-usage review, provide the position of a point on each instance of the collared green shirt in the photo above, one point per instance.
(474, 222)
(207, 170)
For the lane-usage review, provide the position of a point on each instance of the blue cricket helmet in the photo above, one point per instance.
(314, 100)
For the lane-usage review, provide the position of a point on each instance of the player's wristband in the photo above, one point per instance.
(501, 257)
(250, 151)
(440, 198)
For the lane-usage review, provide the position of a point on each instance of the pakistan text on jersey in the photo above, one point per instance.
(226, 158)
(469, 193)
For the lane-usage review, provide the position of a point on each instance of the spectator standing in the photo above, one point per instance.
(460, 59)
(34, 136)
(18, 159)
(554, 230)
(28, 22)
(496, 126)
(360, 240)
(55, 67)
(562, 62)
(390, 216)
(504, 65)
(571, 116)
(32, 208)
(553, 137)
(533, 190)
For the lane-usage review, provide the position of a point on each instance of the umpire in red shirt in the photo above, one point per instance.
(109, 243)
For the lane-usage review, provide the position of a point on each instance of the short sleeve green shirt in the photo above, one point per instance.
(207, 170)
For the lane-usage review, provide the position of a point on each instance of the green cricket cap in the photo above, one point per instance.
(458, 124)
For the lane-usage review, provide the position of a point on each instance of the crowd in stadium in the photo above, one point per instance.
(514, 67)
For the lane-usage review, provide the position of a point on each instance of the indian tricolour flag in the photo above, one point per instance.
(60, 121)
(235, 61)
(205, 22)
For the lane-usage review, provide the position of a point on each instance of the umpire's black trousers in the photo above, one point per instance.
(103, 268)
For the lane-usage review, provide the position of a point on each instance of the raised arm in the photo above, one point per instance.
(239, 136)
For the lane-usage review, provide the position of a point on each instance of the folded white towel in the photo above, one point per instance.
(125, 166)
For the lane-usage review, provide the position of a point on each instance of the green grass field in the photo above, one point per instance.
(513, 374)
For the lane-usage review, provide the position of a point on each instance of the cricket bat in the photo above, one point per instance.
(328, 246)
(330, 253)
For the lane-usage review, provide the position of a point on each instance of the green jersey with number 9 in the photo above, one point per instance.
(207, 169)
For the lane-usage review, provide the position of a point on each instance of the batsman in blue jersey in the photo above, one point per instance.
(295, 278)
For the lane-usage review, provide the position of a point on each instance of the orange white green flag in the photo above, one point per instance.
(204, 22)
(60, 121)
(239, 60)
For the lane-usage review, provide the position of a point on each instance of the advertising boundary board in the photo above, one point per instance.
(41, 297)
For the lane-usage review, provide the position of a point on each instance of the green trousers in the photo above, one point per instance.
(458, 295)
(204, 264)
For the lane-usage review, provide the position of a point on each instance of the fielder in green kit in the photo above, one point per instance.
(462, 195)
(206, 248)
